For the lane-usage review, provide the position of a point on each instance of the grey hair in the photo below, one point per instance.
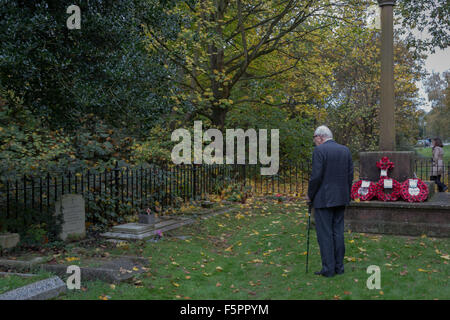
(324, 132)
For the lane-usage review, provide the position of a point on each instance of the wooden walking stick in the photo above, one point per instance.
(307, 241)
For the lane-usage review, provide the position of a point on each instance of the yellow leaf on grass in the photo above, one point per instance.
(175, 284)
(256, 261)
(69, 259)
(446, 257)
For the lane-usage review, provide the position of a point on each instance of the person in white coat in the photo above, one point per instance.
(437, 169)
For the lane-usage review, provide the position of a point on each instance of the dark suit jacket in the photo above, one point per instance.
(332, 175)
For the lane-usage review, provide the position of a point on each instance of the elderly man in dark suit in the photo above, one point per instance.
(329, 192)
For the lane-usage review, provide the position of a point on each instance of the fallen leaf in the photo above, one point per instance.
(70, 259)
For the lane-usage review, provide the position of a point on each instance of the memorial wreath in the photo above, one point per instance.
(382, 195)
(364, 193)
(414, 190)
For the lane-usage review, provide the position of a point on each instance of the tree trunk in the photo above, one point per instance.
(218, 117)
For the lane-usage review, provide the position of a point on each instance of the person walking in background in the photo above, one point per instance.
(437, 169)
(329, 192)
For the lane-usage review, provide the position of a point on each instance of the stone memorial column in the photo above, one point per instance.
(387, 107)
(403, 160)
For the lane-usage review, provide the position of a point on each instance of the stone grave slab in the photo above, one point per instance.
(20, 265)
(111, 271)
(137, 231)
(71, 206)
(40, 290)
(133, 228)
(23, 275)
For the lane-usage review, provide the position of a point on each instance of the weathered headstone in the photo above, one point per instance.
(71, 206)
(9, 240)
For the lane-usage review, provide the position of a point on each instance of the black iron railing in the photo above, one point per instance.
(112, 194)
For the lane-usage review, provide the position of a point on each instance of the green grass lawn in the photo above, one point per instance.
(259, 253)
(426, 152)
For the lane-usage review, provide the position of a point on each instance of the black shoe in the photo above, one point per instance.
(444, 189)
(320, 273)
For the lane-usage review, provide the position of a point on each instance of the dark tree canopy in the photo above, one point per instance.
(102, 68)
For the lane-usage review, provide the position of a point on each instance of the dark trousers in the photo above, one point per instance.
(437, 180)
(330, 235)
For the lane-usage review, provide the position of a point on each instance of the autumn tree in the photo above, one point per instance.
(438, 119)
(353, 106)
(223, 46)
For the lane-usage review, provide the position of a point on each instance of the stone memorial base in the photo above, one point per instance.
(431, 217)
(403, 165)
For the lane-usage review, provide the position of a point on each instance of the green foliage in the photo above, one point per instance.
(105, 210)
(295, 132)
(102, 68)
(34, 227)
(156, 147)
(26, 145)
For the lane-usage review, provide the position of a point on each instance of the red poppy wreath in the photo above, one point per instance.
(364, 193)
(384, 165)
(414, 190)
(394, 195)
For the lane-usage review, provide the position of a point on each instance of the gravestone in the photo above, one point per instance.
(9, 240)
(41, 290)
(71, 206)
